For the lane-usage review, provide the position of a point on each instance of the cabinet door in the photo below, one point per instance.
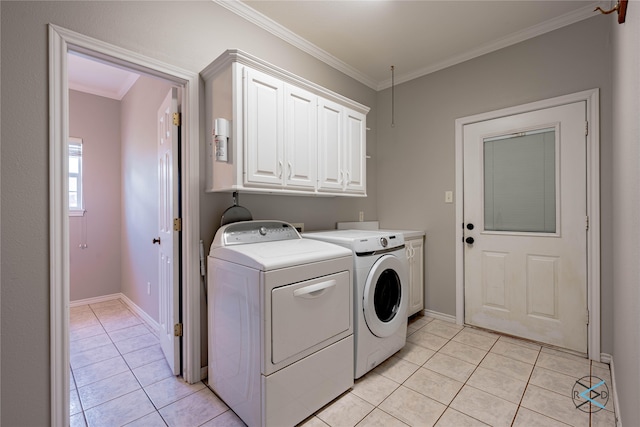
(264, 128)
(415, 250)
(330, 146)
(355, 151)
(301, 138)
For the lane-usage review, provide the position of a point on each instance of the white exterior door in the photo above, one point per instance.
(168, 207)
(525, 225)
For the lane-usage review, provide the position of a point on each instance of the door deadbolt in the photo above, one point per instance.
(156, 240)
(470, 226)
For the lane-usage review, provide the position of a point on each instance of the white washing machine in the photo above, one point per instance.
(280, 322)
(381, 292)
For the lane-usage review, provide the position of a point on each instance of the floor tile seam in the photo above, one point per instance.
(177, 400)
(464, 384)
(108, 400)
(525, 389)
(591, 374)
(382, 410)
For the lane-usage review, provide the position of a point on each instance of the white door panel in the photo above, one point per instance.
(525, 194)
(168, 206)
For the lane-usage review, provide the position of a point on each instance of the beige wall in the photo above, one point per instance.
(626, 212)
(139, 214)
(95, 270)
(417, 155)
(186, 34)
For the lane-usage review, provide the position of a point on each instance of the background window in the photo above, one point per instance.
(75, 177)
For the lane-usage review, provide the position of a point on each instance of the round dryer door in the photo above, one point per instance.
(385, 297)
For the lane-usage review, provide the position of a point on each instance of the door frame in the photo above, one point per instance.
(61, 41)
(592, 99)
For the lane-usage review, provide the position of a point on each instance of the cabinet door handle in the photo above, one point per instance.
(348, 178)
(290, 169)
(341, 177)
(279, 171)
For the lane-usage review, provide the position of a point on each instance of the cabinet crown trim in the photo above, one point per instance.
(235, 55)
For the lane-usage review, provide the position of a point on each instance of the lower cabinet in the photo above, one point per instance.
(415, 256)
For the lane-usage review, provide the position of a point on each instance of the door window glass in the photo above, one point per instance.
(520, 182)
(386, 299)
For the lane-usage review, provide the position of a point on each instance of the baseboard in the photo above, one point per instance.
(437, 315)
(132, 306)
(607, 358)
(95, 300)
(141, 313)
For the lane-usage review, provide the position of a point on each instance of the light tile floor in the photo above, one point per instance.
(446, 375)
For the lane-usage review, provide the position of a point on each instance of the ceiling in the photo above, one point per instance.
(364, 38)
(95, 77)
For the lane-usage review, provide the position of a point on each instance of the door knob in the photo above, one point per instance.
(469, 226)
(157, 240)
(469, 240)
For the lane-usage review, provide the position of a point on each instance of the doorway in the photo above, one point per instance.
(528, 203)
(61, 41)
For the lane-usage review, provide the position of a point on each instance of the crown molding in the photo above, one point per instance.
(262, 21)
(514, 38)
(292, 38)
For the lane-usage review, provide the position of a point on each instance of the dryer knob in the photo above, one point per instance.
(384, 242)
(263, 231)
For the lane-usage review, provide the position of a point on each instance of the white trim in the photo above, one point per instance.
(266, 23)
(96, 300)
(262, 21)
(607, 358)
(141, 313)
(58, 230)
(591, 97)
(441, 316)
(61, 41)
(506, 41)
(126, 300)
(204, 372)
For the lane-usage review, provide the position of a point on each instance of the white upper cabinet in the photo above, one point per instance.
(288, 135)
(264, 136)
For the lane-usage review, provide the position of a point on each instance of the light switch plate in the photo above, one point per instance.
(448, 196)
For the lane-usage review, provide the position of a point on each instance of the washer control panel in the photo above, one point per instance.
(247, 232)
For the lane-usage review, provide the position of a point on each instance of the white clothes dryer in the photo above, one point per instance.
(381, 293)
(280, 322)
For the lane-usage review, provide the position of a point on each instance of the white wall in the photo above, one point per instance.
(416, 164)
(626, 208)
(186, 34)
(95, 270)
(139, 256)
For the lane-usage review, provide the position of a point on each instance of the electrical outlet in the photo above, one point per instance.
(361, 216)
(448, 196)
(148, 288)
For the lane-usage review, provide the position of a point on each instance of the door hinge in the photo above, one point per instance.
(177, 224)
(176, 119)
(587, 316)
(177, 329)
(587, 222)
(586, 128)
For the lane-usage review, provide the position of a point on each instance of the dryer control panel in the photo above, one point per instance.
(246, 232)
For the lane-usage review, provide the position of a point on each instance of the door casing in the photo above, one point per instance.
(61, 41)
(592, 98)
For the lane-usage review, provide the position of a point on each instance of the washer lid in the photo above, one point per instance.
(272, 255)
(360, 241)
